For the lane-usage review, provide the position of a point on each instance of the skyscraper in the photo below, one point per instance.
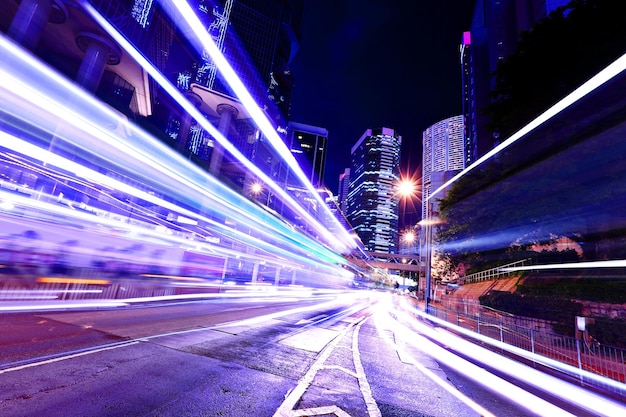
(344, 190)
(443, 154)
(495, 29)
(470, 147)
(372, 197)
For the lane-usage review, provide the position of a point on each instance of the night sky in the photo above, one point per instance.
(373, 63)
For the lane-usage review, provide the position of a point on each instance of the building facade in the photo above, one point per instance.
(308, 144)
(443, 146)
(495, 29)
(343, 190)
(372, 198)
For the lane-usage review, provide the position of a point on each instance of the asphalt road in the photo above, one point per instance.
(328, 356)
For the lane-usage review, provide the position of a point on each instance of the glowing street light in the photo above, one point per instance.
(407, 188)
(256, 188)
(409, 236)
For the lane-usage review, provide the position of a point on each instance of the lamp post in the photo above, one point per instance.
(409, 188)
(428, 246)
(426, 251)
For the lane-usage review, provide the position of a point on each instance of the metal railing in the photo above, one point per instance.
(593, 357)
(493, 273)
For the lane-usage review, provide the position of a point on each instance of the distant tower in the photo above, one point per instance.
(443, 155)
(308, 145)
(372, 197)
(470, 147)
(343, 190)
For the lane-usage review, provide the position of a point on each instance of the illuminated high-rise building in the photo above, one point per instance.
(470, 147)
(442, 154)
(344, 190)
(372, 198)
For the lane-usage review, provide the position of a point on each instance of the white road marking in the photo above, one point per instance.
(286, 409)
(62, 358)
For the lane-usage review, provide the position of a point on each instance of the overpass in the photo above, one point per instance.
(388, 261)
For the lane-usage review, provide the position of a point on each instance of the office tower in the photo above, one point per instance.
(442, 157)
(308, 145)
(495, 29)
(372, 197)
(470, 150)
(343, 190)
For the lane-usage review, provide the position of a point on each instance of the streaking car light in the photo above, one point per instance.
(330, 239)
(602, 77)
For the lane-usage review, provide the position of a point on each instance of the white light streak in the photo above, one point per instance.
(602, 77)
(338, 244)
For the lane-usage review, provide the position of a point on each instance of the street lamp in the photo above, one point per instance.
(426, 248)
(256, 189)
(407, 189)
(409, 237)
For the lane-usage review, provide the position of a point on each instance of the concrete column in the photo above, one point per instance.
(31, 17)
(227, 114)
(255, 272)
(250, 178)
(186, 121)
(99, 52)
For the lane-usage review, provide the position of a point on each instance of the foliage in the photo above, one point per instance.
(607, 288)
(610, 332)
(553, 58)
(561, 312)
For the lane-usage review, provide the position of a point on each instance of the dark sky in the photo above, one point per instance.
(378, 63)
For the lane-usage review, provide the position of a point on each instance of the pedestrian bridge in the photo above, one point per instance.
(392, 261)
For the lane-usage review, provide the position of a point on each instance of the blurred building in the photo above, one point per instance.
(495, 29)
(372, 198)
(258, 38)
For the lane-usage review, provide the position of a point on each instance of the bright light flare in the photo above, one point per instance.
(407, 188)
(409, 236)
(256, 188)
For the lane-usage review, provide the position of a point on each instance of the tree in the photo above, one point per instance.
(564, 179)
(557, 55)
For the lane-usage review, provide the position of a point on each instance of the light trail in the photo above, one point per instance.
(341, 245)
(569, 392)
(420, 336)
(238, 207)
(188, 19)
(617, 263)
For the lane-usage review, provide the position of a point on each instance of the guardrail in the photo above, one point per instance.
(493, 273)
(606, 361)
